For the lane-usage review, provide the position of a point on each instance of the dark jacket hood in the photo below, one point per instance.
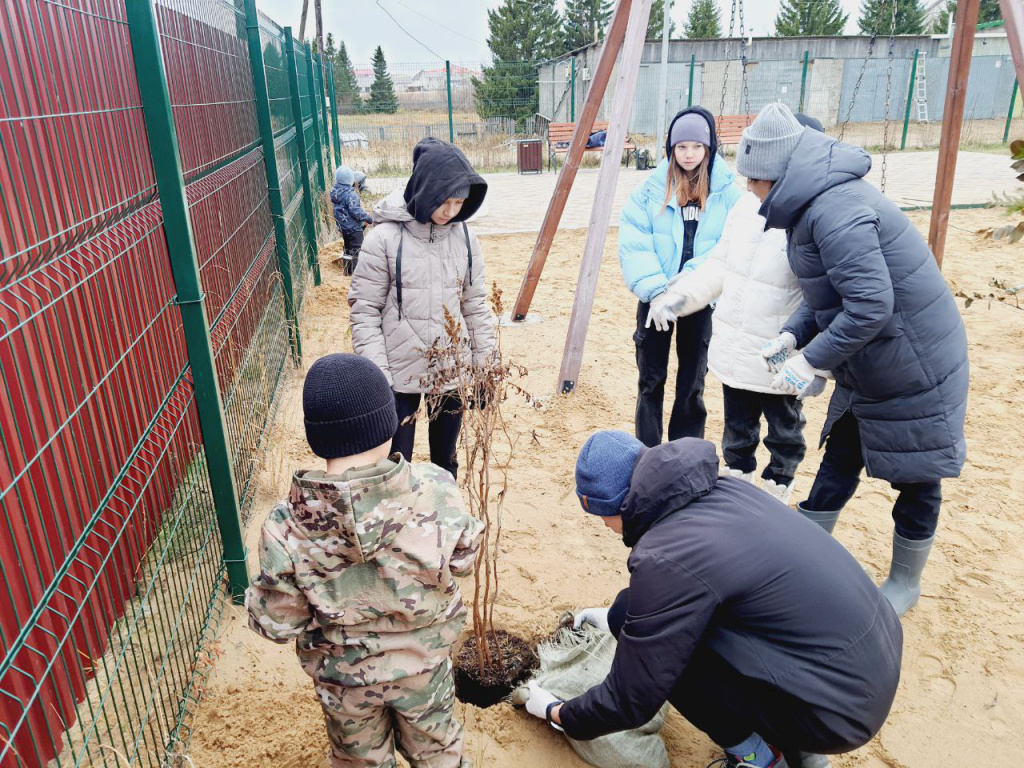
(714, 133)
(438, 170)
(818, 163)
(667, 478)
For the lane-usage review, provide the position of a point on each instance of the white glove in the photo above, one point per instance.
(777, 351)
(800, 378)
(539, 702)
(661, 312)
(595, 617)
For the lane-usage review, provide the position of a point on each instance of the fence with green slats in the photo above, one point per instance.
(160, 219)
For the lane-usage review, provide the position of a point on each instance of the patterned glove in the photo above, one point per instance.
(777, 351)
(800, 378)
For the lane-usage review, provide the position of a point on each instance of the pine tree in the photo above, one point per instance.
(382, 90)
(810, 18)
(657, 21)
(585, 22)
(523, 33)
(876, 17)
(987, 13)
(346, 86)
(704, 21)
(330, 51)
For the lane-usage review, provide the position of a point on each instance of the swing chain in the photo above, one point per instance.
(728, 60)
(856, 85)
(888, 95)
(743, 56)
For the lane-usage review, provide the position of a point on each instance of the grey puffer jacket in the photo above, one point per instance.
(395, 326)
(876, 312)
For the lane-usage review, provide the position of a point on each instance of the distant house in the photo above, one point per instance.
(364, 79)
(435, 79)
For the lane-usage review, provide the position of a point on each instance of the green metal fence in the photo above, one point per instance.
(158, 233)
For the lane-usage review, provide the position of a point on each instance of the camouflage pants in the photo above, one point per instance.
(363, 723)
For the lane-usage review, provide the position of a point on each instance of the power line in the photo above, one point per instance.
(438, 23)
(420, 42)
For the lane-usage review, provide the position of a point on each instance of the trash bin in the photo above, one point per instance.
(530, 155)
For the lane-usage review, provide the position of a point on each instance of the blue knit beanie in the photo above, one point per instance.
(604, 470)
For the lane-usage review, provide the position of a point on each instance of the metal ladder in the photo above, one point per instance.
(921, 89)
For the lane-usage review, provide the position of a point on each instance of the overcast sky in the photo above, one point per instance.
(457, 29)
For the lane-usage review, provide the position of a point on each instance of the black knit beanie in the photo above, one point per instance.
(348, 406)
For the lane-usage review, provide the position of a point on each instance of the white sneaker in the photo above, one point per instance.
(779, 491)
(748, 476)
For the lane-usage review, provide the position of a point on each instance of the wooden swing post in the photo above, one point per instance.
(952, 122)
(600, 213)
(556, 206)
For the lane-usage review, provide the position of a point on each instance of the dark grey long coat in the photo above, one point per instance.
(876, 312)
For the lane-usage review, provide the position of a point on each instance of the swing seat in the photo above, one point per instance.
(730, 128)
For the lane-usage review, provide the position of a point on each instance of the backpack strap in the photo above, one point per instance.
(398, 269)
(465, 231)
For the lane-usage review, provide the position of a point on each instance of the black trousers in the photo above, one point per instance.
(444, 423)
(916, 511)
(785, 439)
(729, 707)
(693, 335)
(353, 241)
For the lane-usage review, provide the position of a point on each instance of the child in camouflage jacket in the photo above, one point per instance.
(357, 568)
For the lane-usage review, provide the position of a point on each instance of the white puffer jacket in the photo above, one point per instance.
(748, 272)
(397, 309)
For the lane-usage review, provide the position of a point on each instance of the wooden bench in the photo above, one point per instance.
(730, 128)
(560, 136)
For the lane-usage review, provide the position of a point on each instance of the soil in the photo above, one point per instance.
(512, 661)
(960, 700)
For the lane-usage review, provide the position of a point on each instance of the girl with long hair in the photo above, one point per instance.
(669, 226)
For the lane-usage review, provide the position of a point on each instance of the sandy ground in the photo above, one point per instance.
(961, 691)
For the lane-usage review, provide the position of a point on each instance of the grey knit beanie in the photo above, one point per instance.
(768, 143)
(690, 127)
(461, 193)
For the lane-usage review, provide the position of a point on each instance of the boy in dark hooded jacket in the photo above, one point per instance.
(349, 214)
(751, 621)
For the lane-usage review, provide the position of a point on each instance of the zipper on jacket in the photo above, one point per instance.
(431, 232)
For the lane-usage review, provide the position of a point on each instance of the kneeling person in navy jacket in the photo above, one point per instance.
(755, 624)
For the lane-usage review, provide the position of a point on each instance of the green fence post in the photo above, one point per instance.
(910, 99)
(300, 140)
(334, 116)
(451, 119)
(689, 93)
(572, 94)
(1009, 113)
(315, 110)
(803, 81)
(259, 81)
(163, 147)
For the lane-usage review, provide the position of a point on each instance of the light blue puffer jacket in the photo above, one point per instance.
(651, 235)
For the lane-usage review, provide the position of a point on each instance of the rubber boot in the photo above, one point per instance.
(903, 587)
(826, 520)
